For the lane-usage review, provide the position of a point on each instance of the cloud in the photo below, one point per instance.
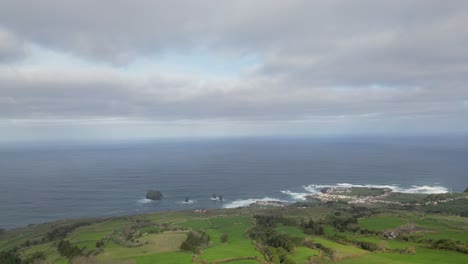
(105, 93)
(11, 48)
(350, 64)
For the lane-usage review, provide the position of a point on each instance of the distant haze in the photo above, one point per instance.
(151, 69)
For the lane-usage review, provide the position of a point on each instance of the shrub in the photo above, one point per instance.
(9, 257)
(66, 249)
(224, 238)
(100, 243)
(35, 258)
(368, 245)
(194, 241)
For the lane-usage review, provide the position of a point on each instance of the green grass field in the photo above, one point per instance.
(422, 256)
(157, 237)
(302, 255)
(341, 250)
(166, 258)
(381, 222)
(291, 231)
(238, 244)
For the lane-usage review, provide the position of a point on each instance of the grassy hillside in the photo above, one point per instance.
(300, 233)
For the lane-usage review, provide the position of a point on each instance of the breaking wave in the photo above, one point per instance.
(247, 202)
(144, 201)
(296, 195)
(315, 189)
(189, 202)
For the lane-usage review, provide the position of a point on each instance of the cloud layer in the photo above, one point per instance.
(340, 65)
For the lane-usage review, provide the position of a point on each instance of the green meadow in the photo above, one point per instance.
(318, 233)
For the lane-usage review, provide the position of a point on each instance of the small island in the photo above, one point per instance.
(154, 195)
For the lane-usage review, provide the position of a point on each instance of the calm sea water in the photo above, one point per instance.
(50, 182)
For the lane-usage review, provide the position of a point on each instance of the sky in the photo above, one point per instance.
(114, 69)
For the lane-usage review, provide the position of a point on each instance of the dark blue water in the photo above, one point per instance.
(49, 182)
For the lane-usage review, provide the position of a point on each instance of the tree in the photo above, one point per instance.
(224, 238)
(66, 249)
(9, 257)
(37, 257)
(194, 241)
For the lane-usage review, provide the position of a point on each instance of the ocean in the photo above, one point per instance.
(46, 182)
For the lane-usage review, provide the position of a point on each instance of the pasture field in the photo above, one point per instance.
(302, 255)
(381, 222)
(157, 237)
(341, 250)
(291, 231)
(422, 256)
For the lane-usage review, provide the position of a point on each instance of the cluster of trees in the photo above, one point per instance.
(195, 241)
(100, 243)
(344, 222)
(130, 233)
(62, 231)
(277, 255)
(13, 257)
(369, 246)
(455, 207)
(34, 242)
(66, 249)
(34, 258)
(361, 211)
(275, 246)
(10, 257)
(448, 244)
(312, 228)
(326, 250)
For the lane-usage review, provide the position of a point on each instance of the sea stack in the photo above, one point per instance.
(187, 199)
(154, 195)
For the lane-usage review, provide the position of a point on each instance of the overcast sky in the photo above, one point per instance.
(113, 69)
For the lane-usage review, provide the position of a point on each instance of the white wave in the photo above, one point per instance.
(144, 201)
(296, 195)
(315, 189)
(426, 189)
(189, 202)
(247, 202)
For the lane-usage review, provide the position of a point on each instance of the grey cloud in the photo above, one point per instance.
(109, 94)
(121, 29)
(11, 48)
(335, 59)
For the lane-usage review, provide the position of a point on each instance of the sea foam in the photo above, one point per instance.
(315, 189)
(296, 195)
(424, 189)
(189, 202)
(144, 201)
(247, 202)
